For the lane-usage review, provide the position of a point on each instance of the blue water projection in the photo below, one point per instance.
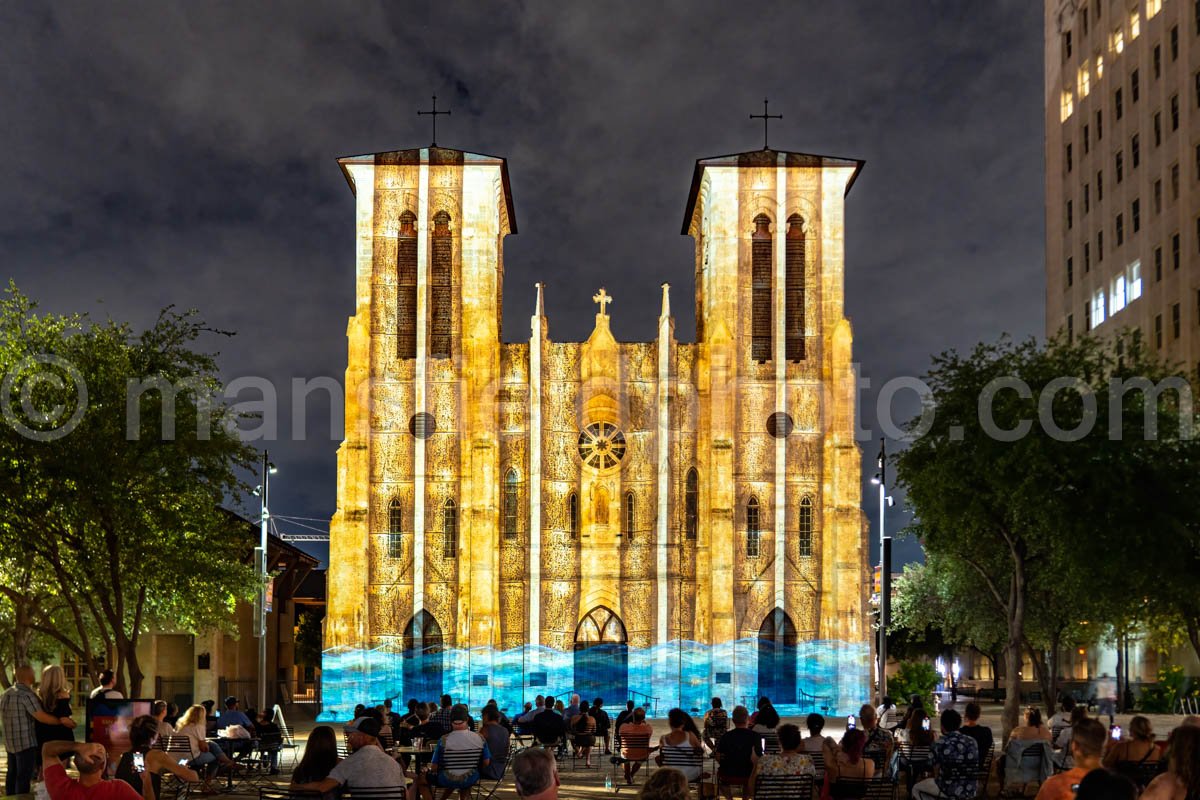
(831, 676)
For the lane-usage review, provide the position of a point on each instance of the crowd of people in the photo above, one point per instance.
(439, 749)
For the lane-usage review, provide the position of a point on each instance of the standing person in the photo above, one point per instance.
(737, 753)
(1087, 743)
(603, 723)
(55, 698)
(107, 690)
(20, 710)
(886, 713)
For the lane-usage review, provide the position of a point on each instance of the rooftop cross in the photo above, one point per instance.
(765, 117)
(603, 298)
(434, 113)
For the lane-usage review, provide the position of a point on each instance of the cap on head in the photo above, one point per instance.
(231, 701)
(367, 726)
(459, 713)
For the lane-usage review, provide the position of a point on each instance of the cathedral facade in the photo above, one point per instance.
(661, 521)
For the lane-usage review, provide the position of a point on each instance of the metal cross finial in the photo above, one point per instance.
(434, 113)
(603, 298)
(765, 117)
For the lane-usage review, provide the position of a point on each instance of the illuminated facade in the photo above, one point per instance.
(659, 519)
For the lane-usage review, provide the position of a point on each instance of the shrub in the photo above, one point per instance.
(913, 677)
(1162, 697)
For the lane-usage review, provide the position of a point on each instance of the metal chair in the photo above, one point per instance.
(482, 792)
(770, 742)
(685, 760)
(388, 793)
(284, 793)
(783, 787)
(860, 789)
(1141, 772)
(638, 742)
(289, 744)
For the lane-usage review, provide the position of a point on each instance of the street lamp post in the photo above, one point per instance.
(885, 566)
(260, 564)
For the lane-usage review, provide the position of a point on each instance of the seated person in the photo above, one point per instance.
(535, 774)
(982, 734)
(498, 742)
(270, 741)
(426, 729)
(203, 752)
(685, 743)
(458, 757)
(635, 743)
(716, 722)
(90, 760)
(143, 757)
(1033, 728)
(848, 763)
(955, 756)
(790, 761)
(320, 757)
(1087, 744)
(231, 716)
(548, 726)
(737, 753)
(367, 766)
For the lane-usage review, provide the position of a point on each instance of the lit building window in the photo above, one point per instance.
(1117, 42)
(1152, 8)
(1135, 24)
(1099, 66)
(1068, 105)
(1133, 282)
(1097, 308)
(1085, 79)
(1117, 301)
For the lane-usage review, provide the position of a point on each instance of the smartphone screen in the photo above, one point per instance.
(851, 722)
(183, 762)
(139, 762)
(925, 724)
(1116, 733)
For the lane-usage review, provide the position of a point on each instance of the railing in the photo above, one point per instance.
(645, 701)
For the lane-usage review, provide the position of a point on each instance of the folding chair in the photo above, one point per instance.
(284, 793)
(684, 760)
(783, 787)
(1141, 772)
(289, 744)
(984, 773)
(389, 793)
(770, 742)
(485, 792)
(639, 742)
(818, 759)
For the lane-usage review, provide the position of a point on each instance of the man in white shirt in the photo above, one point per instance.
(107, 690)
(367, 767)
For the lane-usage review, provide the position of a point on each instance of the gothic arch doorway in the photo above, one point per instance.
(423, 646)
(777, 642)
(602, 657)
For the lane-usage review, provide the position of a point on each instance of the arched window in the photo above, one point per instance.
(441, 295)
(395, 528)
(573, 515)
(511, 498)
(691, 504)
(753, 529)
(794, 296)
(406, 286)
(449, 530)
(630, 509)
(806, 526)
(760, 286)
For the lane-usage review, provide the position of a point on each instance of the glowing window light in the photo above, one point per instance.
(1085, 79)
(1099, 66)
(1134, 281)
(1117, 41)
(1068, 104)
(1152, 8)
(1135, 25)
(1098, 308)
(1117, 301)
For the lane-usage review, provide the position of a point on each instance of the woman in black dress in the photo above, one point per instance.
(56, 701)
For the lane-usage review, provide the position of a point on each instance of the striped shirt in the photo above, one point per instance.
(18, 705)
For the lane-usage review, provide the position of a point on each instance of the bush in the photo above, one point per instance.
(913, 677)
(1162, 697)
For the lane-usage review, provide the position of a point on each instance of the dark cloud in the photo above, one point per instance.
(183, 153)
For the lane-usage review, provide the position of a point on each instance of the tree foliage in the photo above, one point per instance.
(1028, 495)
(114, 494)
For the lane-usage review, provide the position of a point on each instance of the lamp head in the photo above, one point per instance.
(875, 479)
(272, 469)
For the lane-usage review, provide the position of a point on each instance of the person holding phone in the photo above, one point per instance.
(142, 757)
(1137, 747)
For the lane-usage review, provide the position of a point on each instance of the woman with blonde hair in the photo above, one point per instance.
(193, 725)
(55, 698)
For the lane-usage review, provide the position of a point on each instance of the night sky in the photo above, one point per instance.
(185, 153)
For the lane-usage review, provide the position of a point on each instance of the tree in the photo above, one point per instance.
(1013, 474)
(309, 638)
(943, 595)
(120, 460)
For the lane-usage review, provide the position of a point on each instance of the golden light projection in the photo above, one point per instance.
(662, 521)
